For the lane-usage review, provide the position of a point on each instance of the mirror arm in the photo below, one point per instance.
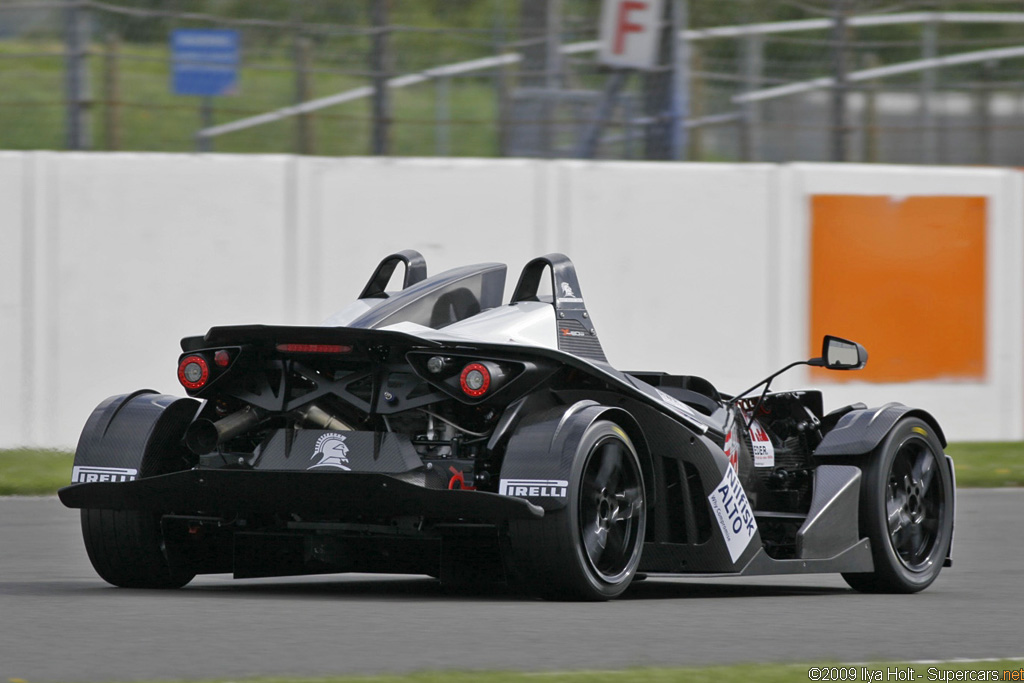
(768, 380)
(817, 363)
(757, 406)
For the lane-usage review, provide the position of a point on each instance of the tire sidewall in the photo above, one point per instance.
(874, 512)
(595, 434)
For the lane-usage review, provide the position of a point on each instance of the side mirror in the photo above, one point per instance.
(840, 354)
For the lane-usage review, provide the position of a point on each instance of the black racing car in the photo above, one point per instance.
(437, 430)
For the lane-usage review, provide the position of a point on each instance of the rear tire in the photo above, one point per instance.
(126, 549)
(591, 549)
(906, 510)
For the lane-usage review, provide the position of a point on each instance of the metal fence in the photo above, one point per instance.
(859, 80)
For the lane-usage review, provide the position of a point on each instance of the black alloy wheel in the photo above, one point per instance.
(913, 505)
(906, 510)
(611, 509)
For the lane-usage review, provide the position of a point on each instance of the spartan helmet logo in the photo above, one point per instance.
(567, 291)
(332, 451)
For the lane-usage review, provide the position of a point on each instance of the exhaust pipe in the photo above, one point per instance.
(203, 435)
(321, 418)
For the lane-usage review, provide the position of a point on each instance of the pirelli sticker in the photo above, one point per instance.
(534, 488)
(732, 511)
(86, 474)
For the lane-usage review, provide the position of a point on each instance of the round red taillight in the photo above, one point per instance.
(475, 380)
(193, 372)
(222, 358)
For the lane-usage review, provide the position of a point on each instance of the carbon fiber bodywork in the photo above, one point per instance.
(351, 496)
(138, 432)
(388, 442)
(860, 431)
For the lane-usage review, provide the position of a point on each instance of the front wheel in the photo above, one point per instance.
(126, 549)
(590, 550)
(906, 511)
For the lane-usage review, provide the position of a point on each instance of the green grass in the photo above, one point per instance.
(988, 464)
(742, 673)
(30, 472)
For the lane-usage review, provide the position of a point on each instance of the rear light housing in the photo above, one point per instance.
(463, 377)
(193, 372)
(475, 380)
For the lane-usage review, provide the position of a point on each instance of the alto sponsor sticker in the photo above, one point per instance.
(534, 488)
(731, 509)
(87, 474)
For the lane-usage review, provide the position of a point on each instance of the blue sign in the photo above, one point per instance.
(204, 61)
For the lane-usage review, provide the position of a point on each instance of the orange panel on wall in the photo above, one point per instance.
(905, 277)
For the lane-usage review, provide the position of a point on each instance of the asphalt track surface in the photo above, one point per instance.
(60, 622)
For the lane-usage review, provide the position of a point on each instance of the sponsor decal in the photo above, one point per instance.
(732, 511)
(569, 296)
(572, 333)
(86, 474)
(333, 452)
(761, 445)
(732, 441)
(534, 488)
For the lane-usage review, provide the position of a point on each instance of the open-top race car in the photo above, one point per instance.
(435, 430)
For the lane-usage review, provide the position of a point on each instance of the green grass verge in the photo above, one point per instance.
(29, 472)
(1004, 670)
(988, 464)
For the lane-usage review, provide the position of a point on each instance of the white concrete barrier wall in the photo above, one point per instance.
(107, 260)
(16, 300)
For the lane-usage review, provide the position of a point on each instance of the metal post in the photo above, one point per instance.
(442, 116)
(929, 134)
(629, 129)
(303, 93)
(533, 18)
(539, 75)
(553, 45)
(111, 95)
(984, 113)
(500, 77)
(205, 142)
(552, 75)
(587, 146)
(666, 90)
(696, 141)
(753, 76)
(379, 63)
(839, 90)
(681, 81)
(77, 75)
(871, 113)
